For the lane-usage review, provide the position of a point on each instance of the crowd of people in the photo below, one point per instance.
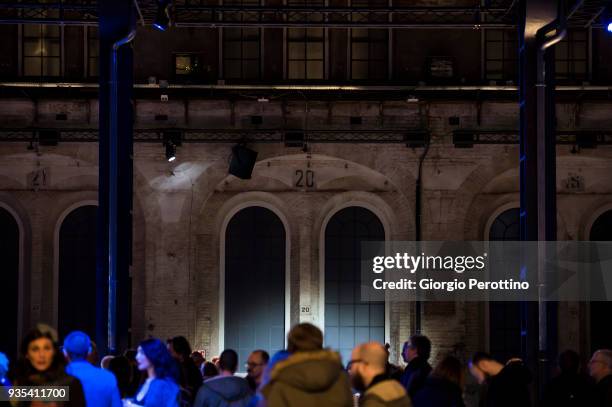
(169, 374)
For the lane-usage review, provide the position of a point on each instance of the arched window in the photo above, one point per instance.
(600, 311)
(77, 272)
(9, 281)
(255, 245)
(505, 317)
(348, 321)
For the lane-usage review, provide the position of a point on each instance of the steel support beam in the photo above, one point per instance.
(540, 29)
(114, 256)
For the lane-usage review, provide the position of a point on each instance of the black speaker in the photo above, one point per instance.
(294, 138)
(243, 161)
(463, 139)
(48, 137)
(586, 140)
(416, 139)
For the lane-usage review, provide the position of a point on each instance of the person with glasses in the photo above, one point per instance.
(255, 365)
(367, 370)
(600, 369)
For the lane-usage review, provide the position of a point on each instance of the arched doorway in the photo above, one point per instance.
(77, 272)
(505, 317)
(348, 321)
(9, 281)
(600, 311)
(255, 255)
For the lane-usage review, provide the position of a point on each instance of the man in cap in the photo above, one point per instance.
(99, 386)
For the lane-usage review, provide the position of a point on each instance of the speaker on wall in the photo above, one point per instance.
(242, 162)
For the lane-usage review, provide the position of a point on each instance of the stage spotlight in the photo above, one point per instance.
(172, 139)
(170, 152)
(243, 161)
(610, 27)
(162, 20)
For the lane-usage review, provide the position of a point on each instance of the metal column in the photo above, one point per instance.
(540, 29)
(114, 251)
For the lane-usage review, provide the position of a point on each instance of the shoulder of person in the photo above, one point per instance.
(387, 390)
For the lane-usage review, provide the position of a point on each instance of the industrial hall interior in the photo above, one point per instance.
(188, 184)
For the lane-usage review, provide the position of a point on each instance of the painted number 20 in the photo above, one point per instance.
(304, 180)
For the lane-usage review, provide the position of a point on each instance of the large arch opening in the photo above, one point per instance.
(505, 317)
(347, 320)
(601, 333)
(9, 281)
(255, 272)
(77, 271)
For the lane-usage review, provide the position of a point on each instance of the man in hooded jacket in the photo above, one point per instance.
(225, 390)
(310, 376)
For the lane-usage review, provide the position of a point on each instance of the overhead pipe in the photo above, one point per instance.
(112, 215)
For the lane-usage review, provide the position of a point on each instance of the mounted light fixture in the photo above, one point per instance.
(606, 15)
(172, 139)
(170, 152)
(162, 19)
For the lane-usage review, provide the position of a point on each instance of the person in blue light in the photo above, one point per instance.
(99, 385)
(161, 388)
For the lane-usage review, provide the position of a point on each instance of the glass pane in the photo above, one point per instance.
(232, 34)
(250, 33)
(494, 66)
(359, 70)
(561, 67)
(93, 67)
(51, 48)
(297, 33)
(494, 35)
(51, 66)
(30, 30)
(359, 33)
(579, 51)
(561, 50)
(378, 35)
(51, 31)
(31, 66)
(250, 69)
(378, 50)
(315, 33)
(360, 50)
(579, 35)
(94, 49)
(231, 50)
(494, 50)
(315, 50)
(296, 50)
(250, 50)
(182, 64)
(232, 69)
(580, 68)
(32, 48)
(297, 70)
(314, 70)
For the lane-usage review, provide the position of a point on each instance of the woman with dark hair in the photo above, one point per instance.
(42, 364)
(160, 389)
(444, 386)
(190, 376)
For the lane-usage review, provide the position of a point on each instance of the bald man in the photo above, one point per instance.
(600, 369)
(367, 370)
